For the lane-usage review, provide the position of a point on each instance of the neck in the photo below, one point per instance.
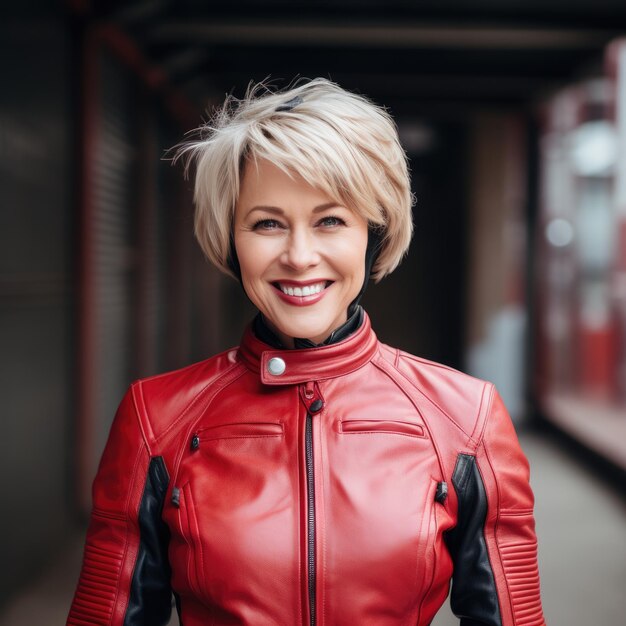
(267, 332)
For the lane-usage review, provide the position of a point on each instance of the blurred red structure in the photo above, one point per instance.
(580, 374)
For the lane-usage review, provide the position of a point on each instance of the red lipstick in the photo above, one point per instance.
(301, 300)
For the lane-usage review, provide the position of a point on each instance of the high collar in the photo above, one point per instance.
(309, 364)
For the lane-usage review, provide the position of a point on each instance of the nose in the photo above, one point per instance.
(301, 250)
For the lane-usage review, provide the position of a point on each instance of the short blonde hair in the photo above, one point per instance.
(339, 142)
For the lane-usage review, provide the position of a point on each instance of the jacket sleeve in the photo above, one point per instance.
(493, 546)
(125, 575)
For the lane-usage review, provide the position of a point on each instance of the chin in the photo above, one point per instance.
(304, 331)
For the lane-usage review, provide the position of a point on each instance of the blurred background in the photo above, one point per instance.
(513, 114)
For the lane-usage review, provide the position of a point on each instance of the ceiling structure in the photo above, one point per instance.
(426, 56)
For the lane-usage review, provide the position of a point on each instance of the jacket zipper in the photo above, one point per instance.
(311, 513)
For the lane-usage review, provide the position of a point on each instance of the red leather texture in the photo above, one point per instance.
(390, 428)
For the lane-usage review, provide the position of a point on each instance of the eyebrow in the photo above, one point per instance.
(278, 211)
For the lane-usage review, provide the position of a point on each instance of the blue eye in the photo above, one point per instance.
(266, 224)
(331, 220)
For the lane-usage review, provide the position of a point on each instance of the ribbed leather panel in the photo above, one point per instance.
(97, 588)
(522, 575)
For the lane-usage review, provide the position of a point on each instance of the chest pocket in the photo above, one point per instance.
(240, 429)
(393, 427)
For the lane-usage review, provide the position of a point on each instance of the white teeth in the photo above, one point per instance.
(308, 290)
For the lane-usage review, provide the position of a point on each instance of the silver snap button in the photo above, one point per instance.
(276, 366)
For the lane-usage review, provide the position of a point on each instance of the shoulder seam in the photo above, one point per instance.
(148, 423)
(475, 437)
(484, 409)
(418, 390)
(135, 388)
(389, 353)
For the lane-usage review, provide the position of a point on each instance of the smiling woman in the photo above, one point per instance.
(302, 264)
(244, 484)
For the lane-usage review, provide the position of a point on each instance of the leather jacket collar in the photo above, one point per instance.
(308, 364)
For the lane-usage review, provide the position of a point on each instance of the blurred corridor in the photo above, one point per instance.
(514, 120)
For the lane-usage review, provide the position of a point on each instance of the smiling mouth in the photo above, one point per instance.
(307, 290)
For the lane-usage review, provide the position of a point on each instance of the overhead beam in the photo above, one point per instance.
(422, 35)
(418, 84)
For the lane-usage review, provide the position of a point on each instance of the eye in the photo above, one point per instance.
(331, 220)
(266, 224)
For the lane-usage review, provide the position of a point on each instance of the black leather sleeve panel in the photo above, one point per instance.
(150, 602)
(474, 597)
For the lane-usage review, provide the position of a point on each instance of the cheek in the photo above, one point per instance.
(252, 255)
(350, 258)
(252, 282)
(256, 255)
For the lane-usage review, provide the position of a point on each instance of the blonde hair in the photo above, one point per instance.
(339, 142)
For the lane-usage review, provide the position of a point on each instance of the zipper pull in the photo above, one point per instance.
(309, 389)
(311, 397)
(442, 492)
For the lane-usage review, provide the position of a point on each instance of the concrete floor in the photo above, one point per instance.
(581, 527)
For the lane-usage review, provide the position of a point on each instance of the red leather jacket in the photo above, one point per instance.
(333, 486)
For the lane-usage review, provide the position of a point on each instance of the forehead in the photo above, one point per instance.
(263, 182)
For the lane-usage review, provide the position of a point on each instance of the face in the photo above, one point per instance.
(302, 255)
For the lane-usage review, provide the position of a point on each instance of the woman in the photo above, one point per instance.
(313, 475)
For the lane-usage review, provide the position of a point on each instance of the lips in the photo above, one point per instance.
(301, 292)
